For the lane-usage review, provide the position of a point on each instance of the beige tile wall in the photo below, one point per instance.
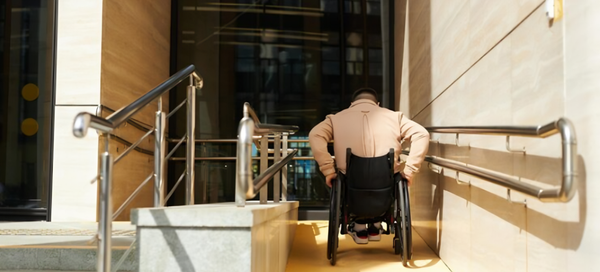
(75, 163)
(79, 36)
(457, 35)
(469, 62)
(582, 100)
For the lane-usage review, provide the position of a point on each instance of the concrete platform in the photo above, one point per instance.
(216, 237)
(49, 246)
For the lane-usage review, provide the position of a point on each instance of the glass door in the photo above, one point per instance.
(26, 105)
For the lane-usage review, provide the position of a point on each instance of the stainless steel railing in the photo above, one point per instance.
(246, 187)
(84, 121)
(569, 154)
(562, 126)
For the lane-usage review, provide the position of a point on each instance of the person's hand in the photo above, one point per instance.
(409, 178)
(329, 178)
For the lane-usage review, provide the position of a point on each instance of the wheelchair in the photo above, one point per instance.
(383, 196)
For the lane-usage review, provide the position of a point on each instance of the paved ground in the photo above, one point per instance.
(310, 247)
(49, 234)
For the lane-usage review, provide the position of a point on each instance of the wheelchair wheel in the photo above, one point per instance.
(404, 221)
(334, 222)
(397, 246)
(331, 216)
(396, 224)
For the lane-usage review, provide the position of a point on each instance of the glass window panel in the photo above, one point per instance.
(245, 65)
(352, 7)
(244, 36)
(350, 68)
(27, 53)
(245, 51)
(330, 6)
(375, 55)
(268, 51)
(332, 38)
(298, 68)
(374, 40)
(331, 68)
(331, 53)
(358, 69)
(354, 54)
(287, 75)
(354, 39)
(374, 7)
(294, 53)
(348, 6)
(375, 69)
(356, 7)
(292, 3)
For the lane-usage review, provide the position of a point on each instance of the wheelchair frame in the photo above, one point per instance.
(402, 230)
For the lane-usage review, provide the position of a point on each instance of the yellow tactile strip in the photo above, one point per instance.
(61, 232)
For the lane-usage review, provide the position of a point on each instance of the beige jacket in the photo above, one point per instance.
(370, 131)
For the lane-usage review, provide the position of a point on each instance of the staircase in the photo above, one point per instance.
(60, 246)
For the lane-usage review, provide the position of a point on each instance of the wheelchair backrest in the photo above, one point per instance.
(369, 173)
(369, 183)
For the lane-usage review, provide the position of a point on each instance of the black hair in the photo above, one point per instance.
(364, 90)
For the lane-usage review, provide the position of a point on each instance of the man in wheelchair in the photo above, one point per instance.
(362, 131)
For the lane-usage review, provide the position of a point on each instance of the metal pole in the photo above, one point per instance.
(105, 224)
(191, 146)
(243, 164)
(204, 175)
(159, 155)
(276, 178)
(264, 164)
(284, 172)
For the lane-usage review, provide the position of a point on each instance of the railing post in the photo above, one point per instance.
(191, 143)
(243, 163)
(204, 175)
(277, 158)
(159, 155)
(284, 172)
(264, 164)
(105, 223)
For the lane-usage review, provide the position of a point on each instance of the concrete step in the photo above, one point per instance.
(49, 246)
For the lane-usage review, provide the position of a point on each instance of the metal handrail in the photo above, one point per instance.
(235, 158)
(83, 121)
(133, 122)
(232, 141)
(266, 129)
(249, 111)
(541, 131)
(248, 128)
(569, 154)
(263, 178)
(562, 126)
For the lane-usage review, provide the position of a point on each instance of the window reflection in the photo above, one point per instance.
(374, 7)
(330, 6)
(352, 6)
